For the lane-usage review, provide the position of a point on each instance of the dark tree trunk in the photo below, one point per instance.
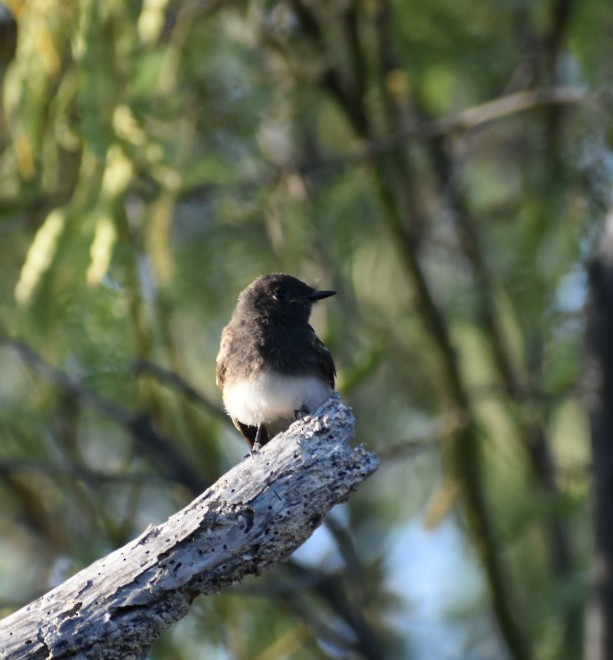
(599, 389)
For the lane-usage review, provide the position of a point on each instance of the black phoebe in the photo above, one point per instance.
(271, 365)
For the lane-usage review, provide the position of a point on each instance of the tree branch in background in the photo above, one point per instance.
(172, 379)
(421, 130)
(458, 123)
(166, 455)
(75, 472)
(252, 518)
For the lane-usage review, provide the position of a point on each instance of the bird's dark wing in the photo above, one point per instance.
(220, 374)
(325, 363)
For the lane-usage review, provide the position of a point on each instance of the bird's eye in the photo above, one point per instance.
(279, 294)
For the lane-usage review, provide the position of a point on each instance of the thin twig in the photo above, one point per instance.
(75, 472)
(139, 425)
(168, 377)
(457, 123)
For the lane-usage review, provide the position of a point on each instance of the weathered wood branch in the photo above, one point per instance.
(255, 516)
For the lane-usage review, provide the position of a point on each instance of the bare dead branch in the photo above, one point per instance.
(254, 517)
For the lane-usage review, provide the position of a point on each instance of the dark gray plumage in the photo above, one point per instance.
(271, 365)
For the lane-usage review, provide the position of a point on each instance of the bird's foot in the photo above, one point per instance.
(302, 412)
(257, 443)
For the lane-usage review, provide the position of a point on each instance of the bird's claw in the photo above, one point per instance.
(302, 412)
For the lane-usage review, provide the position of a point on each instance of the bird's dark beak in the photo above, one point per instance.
(320, 295)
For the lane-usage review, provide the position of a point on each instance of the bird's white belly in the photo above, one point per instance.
(272, 397)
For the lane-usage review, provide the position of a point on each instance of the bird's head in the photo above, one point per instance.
(282, 297)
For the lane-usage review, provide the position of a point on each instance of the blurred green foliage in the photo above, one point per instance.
(155, 157)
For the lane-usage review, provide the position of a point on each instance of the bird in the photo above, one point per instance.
(272, 368)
